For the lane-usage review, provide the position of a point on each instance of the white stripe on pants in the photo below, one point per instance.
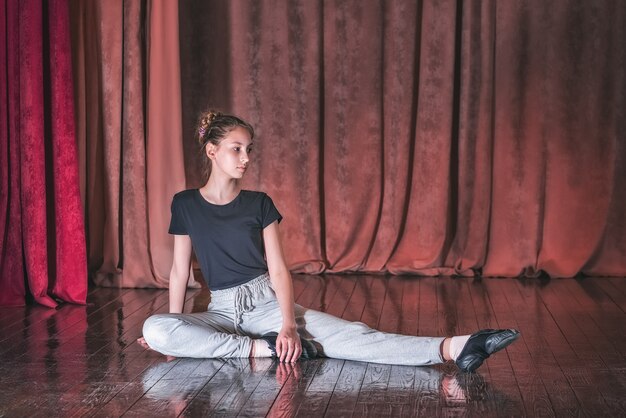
(237, 315)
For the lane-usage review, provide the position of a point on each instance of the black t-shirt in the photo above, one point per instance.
(227, 239)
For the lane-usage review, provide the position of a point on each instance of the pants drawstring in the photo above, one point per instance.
(243, 303)
(241, 297)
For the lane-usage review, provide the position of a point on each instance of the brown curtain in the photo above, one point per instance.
(126, 61)
(427, 137)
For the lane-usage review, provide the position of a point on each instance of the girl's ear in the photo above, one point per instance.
(210, 150)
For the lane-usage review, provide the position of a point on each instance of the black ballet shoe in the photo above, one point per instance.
(308, 349)
(481, 345)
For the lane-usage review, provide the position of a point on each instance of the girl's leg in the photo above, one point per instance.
(200, 335)
(356, 341)
(338, 338)
(347, 340)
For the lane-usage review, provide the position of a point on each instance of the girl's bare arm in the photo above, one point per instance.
(288, 345)
(179, 275)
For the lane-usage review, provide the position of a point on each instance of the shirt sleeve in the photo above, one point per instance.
(177, 223)
(269, 213)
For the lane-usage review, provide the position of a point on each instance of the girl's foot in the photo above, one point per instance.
(481, 345)
(142, 342)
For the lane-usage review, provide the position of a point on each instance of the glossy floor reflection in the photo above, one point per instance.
(570, 359)
(273, 387)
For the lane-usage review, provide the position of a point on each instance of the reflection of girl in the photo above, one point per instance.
(235, 236)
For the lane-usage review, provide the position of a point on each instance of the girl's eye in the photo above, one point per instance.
(237, 149)
(249, 150)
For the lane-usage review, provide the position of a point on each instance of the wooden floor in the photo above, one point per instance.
(569, 361)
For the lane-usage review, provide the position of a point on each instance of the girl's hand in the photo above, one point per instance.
(288, 345)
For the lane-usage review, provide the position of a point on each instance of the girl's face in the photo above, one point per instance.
(231, 157)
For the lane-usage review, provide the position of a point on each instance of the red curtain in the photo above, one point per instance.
(41, 226)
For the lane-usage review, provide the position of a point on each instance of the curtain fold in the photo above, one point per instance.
(423, 242)
(129, 122)
(556, 143)
(164, 149)
(352, 35)
(43, 240)
(282, 49)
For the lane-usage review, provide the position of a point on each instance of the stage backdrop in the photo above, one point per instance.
(427, 137)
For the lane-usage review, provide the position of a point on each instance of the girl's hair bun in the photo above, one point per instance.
(212, 114)
(204, 125)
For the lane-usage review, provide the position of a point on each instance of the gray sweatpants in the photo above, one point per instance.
(240, 314)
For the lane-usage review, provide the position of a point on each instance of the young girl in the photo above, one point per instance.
(236, 239)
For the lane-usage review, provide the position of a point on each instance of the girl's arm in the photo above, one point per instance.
(288, 346)
(179, 274)
(178, 277)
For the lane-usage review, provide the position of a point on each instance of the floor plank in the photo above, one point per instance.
(582, 338)
(295, 380)
(346, 391)
(545, 343)
(529, 378)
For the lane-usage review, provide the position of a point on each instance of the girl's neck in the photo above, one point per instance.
(220, 191)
